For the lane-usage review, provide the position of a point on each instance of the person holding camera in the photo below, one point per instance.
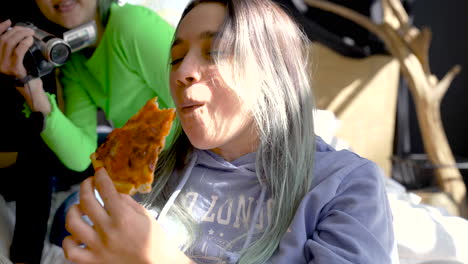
(127, 66)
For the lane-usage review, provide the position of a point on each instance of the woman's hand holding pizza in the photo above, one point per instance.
(123, 231)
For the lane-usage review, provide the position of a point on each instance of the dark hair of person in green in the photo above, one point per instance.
(104, 10)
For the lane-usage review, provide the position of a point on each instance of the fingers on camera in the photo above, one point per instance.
(5, 25)
(23, 46)
(19, 38)
(14, 43)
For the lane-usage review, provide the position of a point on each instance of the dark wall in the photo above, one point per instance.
(448, 21)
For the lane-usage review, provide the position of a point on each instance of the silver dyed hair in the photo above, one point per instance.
(268, 54)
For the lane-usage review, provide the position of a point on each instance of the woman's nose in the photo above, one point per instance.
(189, 71)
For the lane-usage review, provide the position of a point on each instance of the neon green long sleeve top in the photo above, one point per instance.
(129, 66)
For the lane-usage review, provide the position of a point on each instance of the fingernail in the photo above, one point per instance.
(100, 172)
(89, 179)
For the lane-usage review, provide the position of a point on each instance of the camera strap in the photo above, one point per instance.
(23, 82)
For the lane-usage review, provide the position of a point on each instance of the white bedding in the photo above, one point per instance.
(424, 233)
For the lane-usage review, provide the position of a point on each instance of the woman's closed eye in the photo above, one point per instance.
(176, 61)
(210, 54)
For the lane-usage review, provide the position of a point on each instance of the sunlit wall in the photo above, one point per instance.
(170, 10)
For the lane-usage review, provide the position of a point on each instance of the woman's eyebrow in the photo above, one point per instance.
(209, 34)
(204, 35)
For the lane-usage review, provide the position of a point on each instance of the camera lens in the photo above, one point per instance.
(59, 53)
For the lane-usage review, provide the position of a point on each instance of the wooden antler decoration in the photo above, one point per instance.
(411, 47)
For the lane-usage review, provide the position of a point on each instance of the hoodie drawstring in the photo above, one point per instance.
(179, 188)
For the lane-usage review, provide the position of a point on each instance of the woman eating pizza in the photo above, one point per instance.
(246, 179)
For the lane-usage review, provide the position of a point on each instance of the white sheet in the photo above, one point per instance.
(426, 234)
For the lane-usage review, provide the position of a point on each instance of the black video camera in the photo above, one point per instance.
(49, 51)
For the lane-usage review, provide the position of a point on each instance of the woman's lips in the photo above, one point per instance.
(190, 108)
(65, 6)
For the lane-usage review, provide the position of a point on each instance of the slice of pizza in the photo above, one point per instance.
(130, 153)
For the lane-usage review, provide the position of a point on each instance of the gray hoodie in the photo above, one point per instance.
(345, 217)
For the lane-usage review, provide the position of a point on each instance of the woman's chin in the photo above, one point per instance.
(200, 145)
(68, 24)
(71, 21)
(200, 142)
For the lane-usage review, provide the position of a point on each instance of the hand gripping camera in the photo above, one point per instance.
(49, 51)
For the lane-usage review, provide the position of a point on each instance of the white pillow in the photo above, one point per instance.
(325, 126)
(425, 234)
